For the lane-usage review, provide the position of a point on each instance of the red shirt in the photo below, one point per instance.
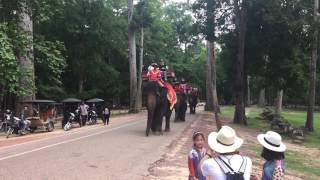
(179, 88)
(194, 93)
(184, 87)
(154, 75)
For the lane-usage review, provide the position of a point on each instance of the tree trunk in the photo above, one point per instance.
(241, 25)
(279, 102)
(25, 58)
(81, 85)
(132, 61)
(313, 71)
(209, 81)
(212, 82)
(218, 122)
(248, 91)
(214, 77)
(262, 100)
(139, 93)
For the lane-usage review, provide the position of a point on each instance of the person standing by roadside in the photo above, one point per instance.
(106, 115)
(195, 155)
(227, 163)
(273, 153)
(84, 113)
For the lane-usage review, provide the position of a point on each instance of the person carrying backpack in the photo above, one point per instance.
(227, 164)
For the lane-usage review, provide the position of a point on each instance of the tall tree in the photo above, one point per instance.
(139, 90)
(313, 68)
(241, 27)
(143, 18)
(25, 55)
(132, 59)
(206, 20)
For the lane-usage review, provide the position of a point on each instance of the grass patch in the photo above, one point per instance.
(302, 163)
(296, 118)
(227, 111)
(297, 162)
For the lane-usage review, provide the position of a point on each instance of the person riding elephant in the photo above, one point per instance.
(193, 100)
(163, 68)
(160, 99)
(181, 105)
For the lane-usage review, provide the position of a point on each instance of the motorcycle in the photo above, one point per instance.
(16, 125)
(92, 117)
(74, 117)
(3, 125)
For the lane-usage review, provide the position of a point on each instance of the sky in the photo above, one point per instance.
(181, 1)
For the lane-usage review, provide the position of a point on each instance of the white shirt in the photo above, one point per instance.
(211, 168)
(106, 111)
(84, 109)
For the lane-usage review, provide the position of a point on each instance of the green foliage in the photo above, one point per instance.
(10, 73)
(80, 46)
(9, 67)
(49, 66)
(205, 13)
(277, 50)
(145, 13)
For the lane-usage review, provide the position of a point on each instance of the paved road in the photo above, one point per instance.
(119, 151)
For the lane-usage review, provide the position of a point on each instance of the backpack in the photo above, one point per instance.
(229, 172)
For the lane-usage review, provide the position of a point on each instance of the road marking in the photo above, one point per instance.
(67, 133)
(70, 140)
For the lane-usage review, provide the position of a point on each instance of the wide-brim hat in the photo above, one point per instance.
(224, 141)
(154, 65)
(272, 141)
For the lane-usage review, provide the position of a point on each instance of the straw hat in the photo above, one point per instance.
(225, 141)
(272, 141)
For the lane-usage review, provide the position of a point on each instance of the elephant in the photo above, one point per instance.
(155, 98)
(180, 107)
(193, 101)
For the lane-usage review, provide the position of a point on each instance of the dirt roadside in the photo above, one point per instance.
(173, 164)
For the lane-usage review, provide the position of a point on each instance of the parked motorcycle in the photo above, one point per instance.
(92, 117)
(3, 125)
(74, 117)
(16, 125)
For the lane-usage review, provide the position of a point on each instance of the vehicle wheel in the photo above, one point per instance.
(32, 129)
(50, 126)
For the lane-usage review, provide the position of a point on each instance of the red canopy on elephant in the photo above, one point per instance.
(171, 95)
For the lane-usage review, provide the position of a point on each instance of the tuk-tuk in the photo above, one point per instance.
(43, 114)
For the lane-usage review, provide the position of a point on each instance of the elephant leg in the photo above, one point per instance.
(149, 121)
(168, 115)
(151, 107)
(183, 112)
(158, 119)
(180, 114)
(177, 115)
